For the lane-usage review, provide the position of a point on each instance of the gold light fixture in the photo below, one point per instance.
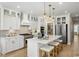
(44, 9)
(53, 13)
(50, 10)
(44, 14)
(50, 13)
(50, 17)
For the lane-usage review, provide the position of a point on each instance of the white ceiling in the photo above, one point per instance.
(36, 8)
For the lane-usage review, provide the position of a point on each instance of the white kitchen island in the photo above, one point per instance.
(33, 44)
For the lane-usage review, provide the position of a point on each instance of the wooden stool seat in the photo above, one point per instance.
(56, 45)
(60, 41)
(47, 49)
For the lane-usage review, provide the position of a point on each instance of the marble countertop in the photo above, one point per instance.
(45, 41)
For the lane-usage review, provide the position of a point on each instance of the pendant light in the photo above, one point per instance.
(49, 10)
(53, 9)
(44, 9)
(44, 14)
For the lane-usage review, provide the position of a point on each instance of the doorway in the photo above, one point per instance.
(76, 40)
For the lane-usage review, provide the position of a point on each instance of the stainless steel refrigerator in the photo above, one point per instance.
(58, 29)
(62, 29)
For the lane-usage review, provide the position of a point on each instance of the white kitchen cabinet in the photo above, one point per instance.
(34, 24)
(9, 18)
(12, 44)
(61, 19)
(16, 43)
(9, 44)
(21, 42)
(3, 45)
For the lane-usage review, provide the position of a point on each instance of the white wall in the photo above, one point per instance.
(70, 30)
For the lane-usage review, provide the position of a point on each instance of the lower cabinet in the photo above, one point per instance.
(21, 42)
(11, 43)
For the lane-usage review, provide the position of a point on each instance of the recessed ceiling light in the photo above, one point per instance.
(60, 2)
(18, 6)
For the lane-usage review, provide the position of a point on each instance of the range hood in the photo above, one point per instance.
(25, 20)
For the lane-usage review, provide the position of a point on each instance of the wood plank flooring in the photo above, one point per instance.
(18, 53)
(71, 51)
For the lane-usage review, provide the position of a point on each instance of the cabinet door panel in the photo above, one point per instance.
(16, 43)
(21, 42)
(3, 45)
(9, 45)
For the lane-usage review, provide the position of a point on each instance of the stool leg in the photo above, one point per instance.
(61, 46)
(53, 53)
(43, 53)
(40, 53)
(48, 54)
(56, 51)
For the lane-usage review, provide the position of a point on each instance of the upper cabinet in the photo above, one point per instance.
(6, 12)
(61, 19)
(58, 20)
(9, 18)
(13, 13)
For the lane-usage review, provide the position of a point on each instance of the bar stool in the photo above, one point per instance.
(47, 50)
(61, 45)
(56, 47)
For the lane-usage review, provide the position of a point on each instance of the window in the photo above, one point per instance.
(13, 13)
(6, 12)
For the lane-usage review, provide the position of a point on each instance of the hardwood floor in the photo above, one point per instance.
(18, 53)
(71, 51)
(68, 51)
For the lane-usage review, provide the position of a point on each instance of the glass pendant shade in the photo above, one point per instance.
(53, 13)
(50, 10)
